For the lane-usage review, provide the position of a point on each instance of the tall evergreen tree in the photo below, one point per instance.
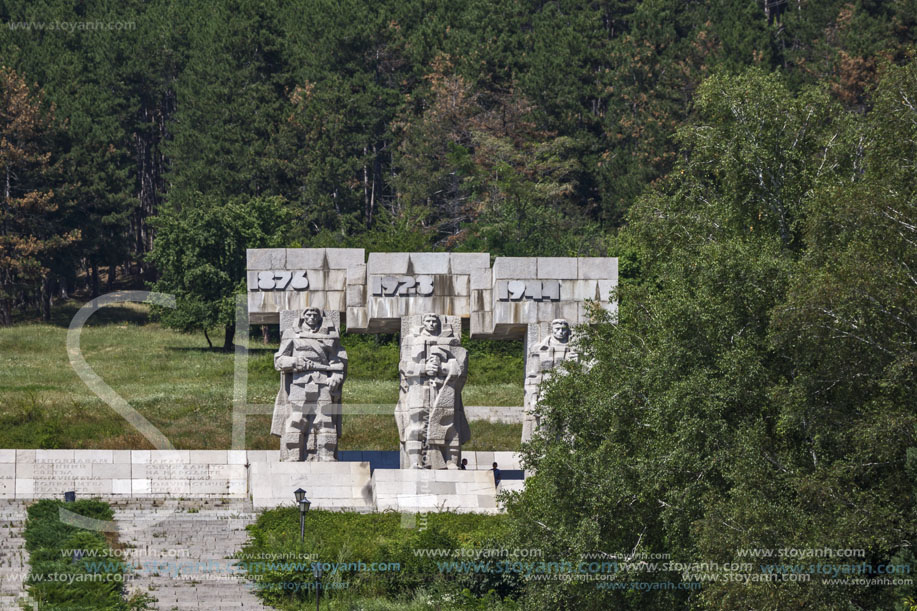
(227, 99)
(332, 151)
(82, 69)
(29, 228)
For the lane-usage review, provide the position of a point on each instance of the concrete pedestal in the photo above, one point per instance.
(329, 485)
(421, 490)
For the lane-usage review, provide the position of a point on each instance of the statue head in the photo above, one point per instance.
(431, 324)
(312, 317)
(560, 329)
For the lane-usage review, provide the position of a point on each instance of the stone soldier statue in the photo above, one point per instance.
(542, 357)
(313, 365)
(430, 415)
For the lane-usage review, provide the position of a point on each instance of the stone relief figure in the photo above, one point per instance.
(430, 415)
(313, 365)
(541, 359)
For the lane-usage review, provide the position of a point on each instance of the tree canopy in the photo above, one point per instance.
(751, 164)
(473, 125)
(757, 391)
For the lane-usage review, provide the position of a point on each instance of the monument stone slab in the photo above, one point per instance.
(329, 485)
(418, 490)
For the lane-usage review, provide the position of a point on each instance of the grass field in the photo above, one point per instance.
(185, 389)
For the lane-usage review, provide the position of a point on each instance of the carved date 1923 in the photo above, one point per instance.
(402, 286)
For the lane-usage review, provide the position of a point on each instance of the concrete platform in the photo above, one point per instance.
(420, 490)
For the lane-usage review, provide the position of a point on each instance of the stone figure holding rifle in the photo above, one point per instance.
(430, 415)
(313, 365)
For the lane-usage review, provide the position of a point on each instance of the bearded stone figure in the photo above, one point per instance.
(313, 365)
(430, 415)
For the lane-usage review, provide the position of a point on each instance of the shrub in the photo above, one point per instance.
(61, 579)
(355, 538)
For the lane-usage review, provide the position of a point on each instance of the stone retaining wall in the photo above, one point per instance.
(248, 474)
(495, 413)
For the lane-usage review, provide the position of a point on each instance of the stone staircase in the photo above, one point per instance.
(181, 552)
(14, 560)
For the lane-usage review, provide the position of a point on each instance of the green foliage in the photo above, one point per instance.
(423, 600)
(519, 129)
(756, 392)
(389, 233)
(60, 579)
(344, 538)
(201, 254)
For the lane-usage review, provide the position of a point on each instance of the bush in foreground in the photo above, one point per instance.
(71, 567)
(372, 561)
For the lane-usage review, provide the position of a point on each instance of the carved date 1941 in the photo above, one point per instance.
(536, 290)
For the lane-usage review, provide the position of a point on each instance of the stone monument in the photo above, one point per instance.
(313, 365)
(430, 415)
(507, 298)
(542, 357)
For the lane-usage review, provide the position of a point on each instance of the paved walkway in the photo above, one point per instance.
(181, 552)
(14, 560)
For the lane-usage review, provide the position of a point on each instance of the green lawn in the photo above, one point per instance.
(185, 390)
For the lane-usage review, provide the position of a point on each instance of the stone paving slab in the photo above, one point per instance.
(182, 552)
(14, 559)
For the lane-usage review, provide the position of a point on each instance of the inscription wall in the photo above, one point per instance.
(256, 474)
(520, 291)
(404, 284)
(28, 474)
(498, 301)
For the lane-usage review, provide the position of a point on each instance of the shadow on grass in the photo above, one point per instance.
(253, 351)
(215, 348)
(63, 313)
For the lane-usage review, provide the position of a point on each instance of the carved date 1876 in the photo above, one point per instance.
(282, 280)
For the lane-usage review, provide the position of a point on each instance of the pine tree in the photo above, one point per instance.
(28, 231)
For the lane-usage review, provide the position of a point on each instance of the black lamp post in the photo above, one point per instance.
(304, 505)
(317, 573)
